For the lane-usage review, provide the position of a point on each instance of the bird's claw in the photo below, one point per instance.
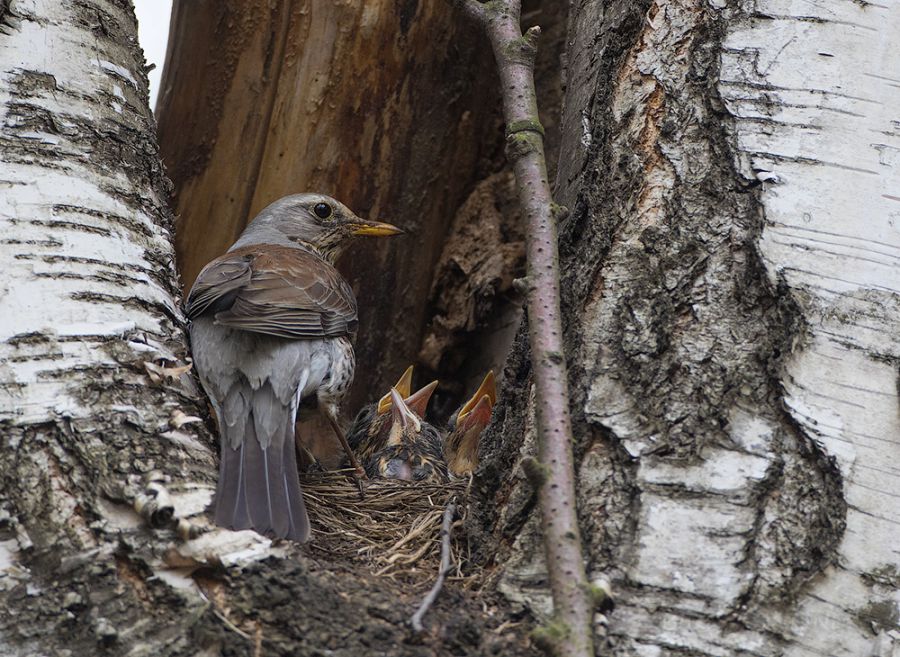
(359, 475)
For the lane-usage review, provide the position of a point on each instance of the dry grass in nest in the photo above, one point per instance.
(394, 529)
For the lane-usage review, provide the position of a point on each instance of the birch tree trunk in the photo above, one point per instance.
(732, 303)
(89, 302)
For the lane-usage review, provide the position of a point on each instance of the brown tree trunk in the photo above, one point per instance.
(384, 105)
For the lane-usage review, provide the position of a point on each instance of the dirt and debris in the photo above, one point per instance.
(354, 587)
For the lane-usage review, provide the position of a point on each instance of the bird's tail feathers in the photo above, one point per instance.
(258, 486)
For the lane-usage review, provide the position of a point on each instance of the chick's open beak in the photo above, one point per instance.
(479, 416)
(487, 393)
(418, 401)
(403, 386)
(376, 229)
(401, 414)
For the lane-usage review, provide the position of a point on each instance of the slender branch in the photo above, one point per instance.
(444, 569)
(570, 633)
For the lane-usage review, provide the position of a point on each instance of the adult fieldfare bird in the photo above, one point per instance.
(369, 432)
(412, 450)
(461, 443)
(272, 322)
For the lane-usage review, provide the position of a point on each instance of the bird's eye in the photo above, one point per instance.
(323, 210)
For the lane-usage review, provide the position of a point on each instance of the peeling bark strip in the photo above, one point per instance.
(570, 632)
(732, 309)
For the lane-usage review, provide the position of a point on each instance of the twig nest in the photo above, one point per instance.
(395, 528)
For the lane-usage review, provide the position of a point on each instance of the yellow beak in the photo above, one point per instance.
(418, 401)
(488, 388)
(403, 386)
(401, 414)
(376, 229)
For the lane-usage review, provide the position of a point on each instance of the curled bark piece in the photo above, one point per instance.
(155, 505)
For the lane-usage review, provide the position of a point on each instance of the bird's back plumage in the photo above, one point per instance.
(275, 290)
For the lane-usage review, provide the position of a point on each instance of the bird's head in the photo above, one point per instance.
(313, 220)
(461, 444)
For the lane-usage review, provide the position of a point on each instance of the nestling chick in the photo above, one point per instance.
(412, 451)
(370, 429)
(466, 426)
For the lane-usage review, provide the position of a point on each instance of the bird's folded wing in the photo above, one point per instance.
(218, 284)
(286, 292)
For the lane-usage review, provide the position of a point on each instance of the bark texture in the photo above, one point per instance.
(379, 104)
(89, 302)
(728, 303)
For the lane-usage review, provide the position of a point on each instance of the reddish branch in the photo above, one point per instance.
(570, 633)
(446, 528)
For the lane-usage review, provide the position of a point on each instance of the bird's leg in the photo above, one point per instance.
(306, 460)
(343, 439)
(358, 473)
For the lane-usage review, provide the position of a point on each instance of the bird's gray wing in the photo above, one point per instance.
(292, 293)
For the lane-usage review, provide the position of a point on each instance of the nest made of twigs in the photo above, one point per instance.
(394, 528)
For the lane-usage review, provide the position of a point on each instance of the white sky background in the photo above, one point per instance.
(153, 35)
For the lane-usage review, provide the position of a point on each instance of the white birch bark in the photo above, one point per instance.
(89, 301)
(734, 303)
(86, 248)
(815, 91)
